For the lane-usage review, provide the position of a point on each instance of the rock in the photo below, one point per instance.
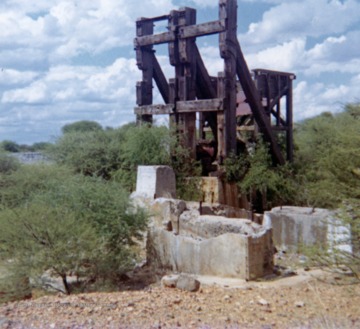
(187, 282)
(170, 281)
(300, 304)
(263, 302)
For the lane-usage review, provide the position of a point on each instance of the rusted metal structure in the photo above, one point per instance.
(214, 101)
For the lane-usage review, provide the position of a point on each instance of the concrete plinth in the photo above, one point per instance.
(155, 182)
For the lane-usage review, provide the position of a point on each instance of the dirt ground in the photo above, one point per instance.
(302, 300)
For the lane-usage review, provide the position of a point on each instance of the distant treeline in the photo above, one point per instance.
(13, 147)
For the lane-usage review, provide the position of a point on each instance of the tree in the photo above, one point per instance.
(265, 185)
(40, 146)
(142, 145)
(8, 164)
(81, 126)
(90, 153)
(10, 146)
(328, 166)
(40, 238)
(68, 223)
(115, 154)
(328, 158)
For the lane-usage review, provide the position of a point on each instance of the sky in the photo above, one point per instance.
(63, 61)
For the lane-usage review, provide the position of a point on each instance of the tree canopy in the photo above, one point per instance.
(55, 220)
(328, 157)
(81, 126)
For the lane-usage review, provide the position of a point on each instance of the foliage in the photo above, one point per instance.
(40, 146)
(143, 145)
(337, 256)
(89, 153)
(10, 146)
(266, 185)
(14, 284)
(8, 164)
(115, 154)
(187, 171)
(20, 186)
(42, 238)
(67, 224)
(13, 147)
(236, 167)
(325, 172)
(328, 158)
(81, 126)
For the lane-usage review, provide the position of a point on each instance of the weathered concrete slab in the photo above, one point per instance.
(294, 227)
(182, 240)
(155, 182)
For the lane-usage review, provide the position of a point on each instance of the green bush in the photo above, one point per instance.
(265, 185)
(334, 256)
(68, 223)
(10, 146)
(8, 164)
(81, 126)
(328, 158)
(115, 154)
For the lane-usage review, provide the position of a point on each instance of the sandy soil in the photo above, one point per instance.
(299, 301)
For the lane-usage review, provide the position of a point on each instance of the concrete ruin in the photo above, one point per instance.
(202, 238)
(155, 182)
(296, 227)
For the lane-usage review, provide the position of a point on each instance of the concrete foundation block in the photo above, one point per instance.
(156, 182)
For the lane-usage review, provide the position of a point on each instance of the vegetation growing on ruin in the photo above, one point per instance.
(325, 171)
(74, 215)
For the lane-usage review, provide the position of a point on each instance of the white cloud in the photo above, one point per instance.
(34, 93)
(342, 48)
(67, 28)
(206, 3)
(282, 57)
(67, 93)
(303, 18)
(9, 77)
(333, 54)
(311, 99)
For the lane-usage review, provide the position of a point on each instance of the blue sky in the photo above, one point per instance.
(67, 60)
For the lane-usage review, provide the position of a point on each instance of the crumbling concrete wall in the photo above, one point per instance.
(200, 238)
(181, 240)
(295, 227)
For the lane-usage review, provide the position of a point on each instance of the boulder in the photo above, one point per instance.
(170, 281)
(188, 283)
